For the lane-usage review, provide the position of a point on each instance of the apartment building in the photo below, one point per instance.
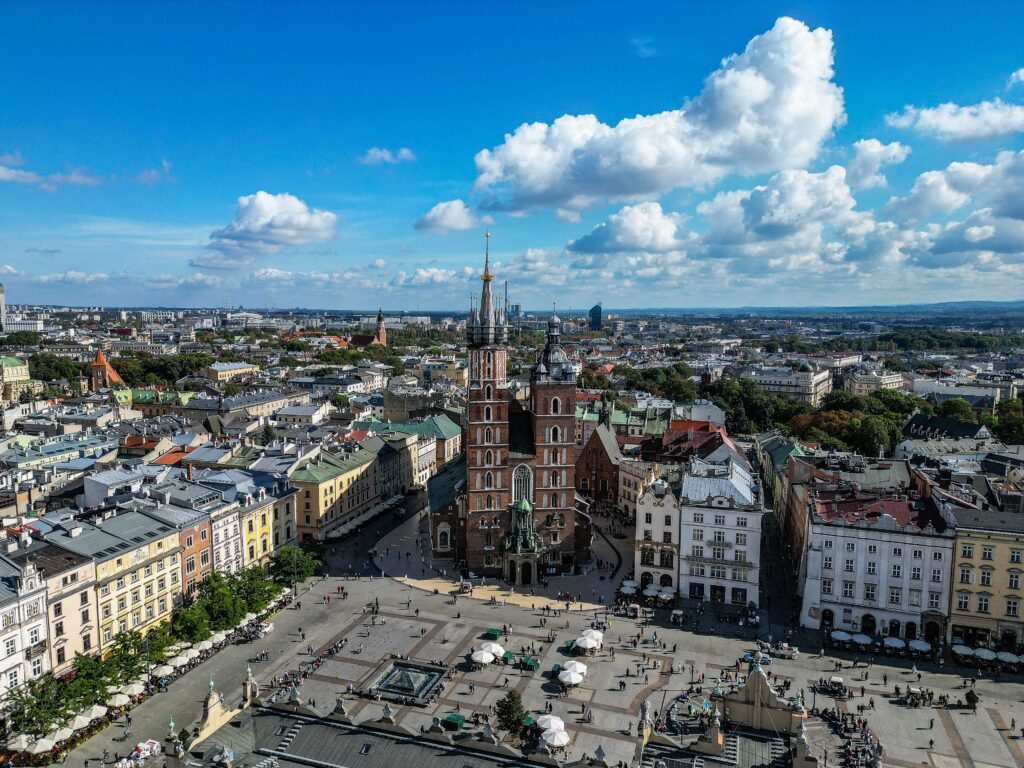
(808, 387)
(335, 490)
(867, 382)
(634, 478)
(987, 573)
(878, 566)
(137, 569)
(24, 638)
(195, 536)
(70, 583)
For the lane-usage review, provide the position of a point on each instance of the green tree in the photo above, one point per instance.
(126, 659)
(255, 590)
(511, 713)
(290, 565)
(191, 623)
(267, 434)
(873, 437)
(956, 408)
(39, 706)
(1009, 426)
(48, 367)
(24, 339)
(340, 401)
(224, 607)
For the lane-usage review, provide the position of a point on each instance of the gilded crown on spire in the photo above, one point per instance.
(487, 275)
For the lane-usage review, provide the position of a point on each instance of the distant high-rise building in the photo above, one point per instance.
(3, 309)
(515, 310)
(595, 318)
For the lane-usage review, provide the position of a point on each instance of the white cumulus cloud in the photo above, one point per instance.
(1015, 78)
(641, 227)
(194, 280)
(72, 276)
(767, 108)
(266, 224)
(950, 122)
(870, 155)
(382, 155)
(449, 216)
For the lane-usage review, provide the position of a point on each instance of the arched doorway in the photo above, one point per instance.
(511, 571)
(666, 580)
(910, 631)
(525, 573)
(827, 618)
(1008, 641)
(645, 579)
(932, 632)
(868, 625)
(894, 628)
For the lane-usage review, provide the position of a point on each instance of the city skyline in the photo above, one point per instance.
(782, 155)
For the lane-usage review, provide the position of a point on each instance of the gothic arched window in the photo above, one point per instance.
(556, 435)
(487, 435)
(522, 483)
(554, 480)
(490, 502)
(555, 405)
(488, 392)
(488, 480)
(488, 458)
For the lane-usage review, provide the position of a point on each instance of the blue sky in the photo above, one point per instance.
(350, 155)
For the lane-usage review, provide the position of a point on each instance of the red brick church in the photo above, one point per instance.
(516, 513)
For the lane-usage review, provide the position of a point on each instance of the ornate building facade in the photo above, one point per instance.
(518, 516)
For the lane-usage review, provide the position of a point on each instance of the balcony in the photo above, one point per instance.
(36, 650)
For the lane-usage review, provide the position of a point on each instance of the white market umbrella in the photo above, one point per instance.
(570, 678)
(43, 745)
(587, 643)
(628, 590)
(191, 654)
(118, 700)
(482, 657)
(920, 645)
(178, 647)
(177, 661)
(80, 721)
(894, 642)
(841, 636)
(493, 648)
(97, 711)
(112, 689)
(962, 650)
(206, 645)
(218, 637)
(163, 670)
(249, 617)
(135, 689)
(1008, 658)
(551, 723)
(19, 743)
(61, 734)
(984, 654)
(861, 639)
(594, 633)
(556, 738)
(666, 595)
(629, 583)
(652, 591)
(575, 666)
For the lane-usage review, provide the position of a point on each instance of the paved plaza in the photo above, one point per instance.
(421, 625)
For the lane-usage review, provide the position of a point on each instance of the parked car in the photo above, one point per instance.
(748, 658)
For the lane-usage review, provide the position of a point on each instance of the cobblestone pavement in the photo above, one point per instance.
(422, 625)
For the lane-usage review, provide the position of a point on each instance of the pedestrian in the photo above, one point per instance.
(931, 743)
(931, 723)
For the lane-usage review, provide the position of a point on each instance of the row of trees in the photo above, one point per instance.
(221, 601)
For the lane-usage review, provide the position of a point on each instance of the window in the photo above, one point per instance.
(826, 586)
(1015, 555)
(61, 656)
(10, 647)
(741, 539)
(847, 589)
(37, 666)
(58, 628)
(719, 519)
(897, 551)
(872, 567)
(915, 573)
(12, 678)
(963, 601)
(895, 595)
(719, 537)
(851, 546)
(33, 636)
(936, 556)
(869, 592)
(897, 571)
(58, 609)
(967, 550)
(986, 578)
(698, 534)
(982, 603)
(933, 600)
(965, 574)
(718, 553)
(697, 551)
(85, 615)
(848, 565)
(915, 597)
(936, 575)
(986, 553)
(668, 519)
(741, 522)
(1012, 606)
(827, 544)
(918, 554)
(826, 563)
(1013, 581)
(666, 537)
(698, 517)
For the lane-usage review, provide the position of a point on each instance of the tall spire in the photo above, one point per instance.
(487, 324)
(487, 276)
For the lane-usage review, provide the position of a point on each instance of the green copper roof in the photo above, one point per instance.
(11, 362)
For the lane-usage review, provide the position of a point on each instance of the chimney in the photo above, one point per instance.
(25, 537)
(75, 532)
(188, 471)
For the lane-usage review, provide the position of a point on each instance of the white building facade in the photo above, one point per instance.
(876, 572)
